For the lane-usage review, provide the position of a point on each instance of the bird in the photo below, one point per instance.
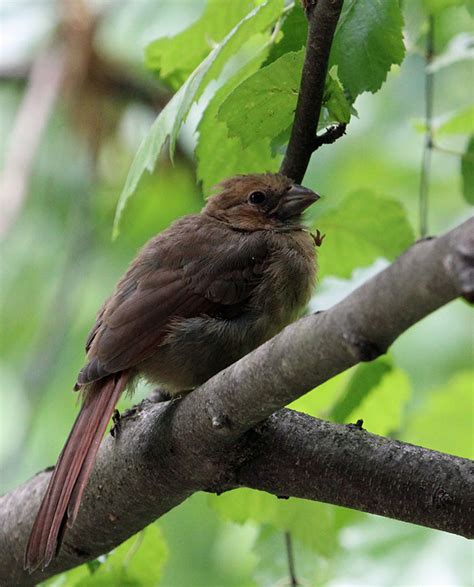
(198, 296)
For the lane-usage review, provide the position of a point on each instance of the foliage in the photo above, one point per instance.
(263, 104)
(171, 118)
(360, 395)
(310, 522)
(445, 423)
(235, 72)
(365, 378)
(467, 171)
(137, 562)
(216, 162)
(363, 227)
(368, 41)
(378, 44)
(436, 6)
(166, 56)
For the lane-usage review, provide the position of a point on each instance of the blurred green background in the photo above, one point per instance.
(58, 264)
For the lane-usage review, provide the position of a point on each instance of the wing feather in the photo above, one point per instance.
(216, 280)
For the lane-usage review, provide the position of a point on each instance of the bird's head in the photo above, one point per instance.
(267, 201)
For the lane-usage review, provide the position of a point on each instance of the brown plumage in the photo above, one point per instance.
(197, 297)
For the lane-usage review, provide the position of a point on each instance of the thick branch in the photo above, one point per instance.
(296, 455)
(166, 452)
(323, 17)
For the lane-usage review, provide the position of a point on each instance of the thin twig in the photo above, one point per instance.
(330, 135)
(291, 560)
(452, 152)
(428, 146)
(323, 17)
(44, 84)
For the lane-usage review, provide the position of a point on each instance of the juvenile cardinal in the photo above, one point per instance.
(197, 297)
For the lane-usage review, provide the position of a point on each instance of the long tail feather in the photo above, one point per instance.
(63, 496)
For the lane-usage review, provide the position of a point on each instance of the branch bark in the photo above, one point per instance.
(322, 20)
(294, 454)
(165, 452)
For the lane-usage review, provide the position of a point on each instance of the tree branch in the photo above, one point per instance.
(165, 452)
(329, 135)
(42, 90)
(322, 16)
(294, 454)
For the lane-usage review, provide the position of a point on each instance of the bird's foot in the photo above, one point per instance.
(116, 419)
(318, 237)
(159, 394)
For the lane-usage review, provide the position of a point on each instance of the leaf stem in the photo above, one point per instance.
(291, 560)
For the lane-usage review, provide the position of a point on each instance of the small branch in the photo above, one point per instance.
(166, 452)
(329, 135)
(120, 81)
(43, 87)
(452, 152)
(323, 16)
(428, 147)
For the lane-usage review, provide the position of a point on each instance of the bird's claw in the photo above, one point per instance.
(116, 419)
(318, 237)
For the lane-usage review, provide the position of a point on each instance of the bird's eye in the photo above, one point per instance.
(257, 198)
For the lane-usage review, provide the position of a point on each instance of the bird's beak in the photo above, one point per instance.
(296, 200)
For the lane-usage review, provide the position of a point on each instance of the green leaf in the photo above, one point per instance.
(365, 378)
(264, 104)
(467, 172)
(69, 579)
(374, 392)
(219, 156)
(171, 118)
(137, 562)
(460, 48)
(459, 122)
(310, 522)
(93, 565)
(175, 58)
(367, 42)
(336, 108)
(434, 6)
(319, 402)
(444, 422)
(383, 408)
(364, 227)
(294, 31)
